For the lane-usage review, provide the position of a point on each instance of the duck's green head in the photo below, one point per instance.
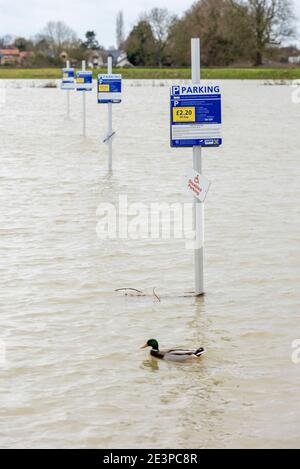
(151, 343)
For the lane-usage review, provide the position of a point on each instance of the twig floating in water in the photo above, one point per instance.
(140, 293)
(156, 296)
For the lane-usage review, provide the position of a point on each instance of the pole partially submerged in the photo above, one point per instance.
(197, 165)
(109, 117)
(109, 91)
(68, 94)
(196, 122)
(83, 104)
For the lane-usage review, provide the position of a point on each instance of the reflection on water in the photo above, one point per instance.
(151, 363)
(74, 374)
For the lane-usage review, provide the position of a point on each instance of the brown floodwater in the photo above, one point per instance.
(74, 375)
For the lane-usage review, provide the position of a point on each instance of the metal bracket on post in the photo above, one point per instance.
(109, 137)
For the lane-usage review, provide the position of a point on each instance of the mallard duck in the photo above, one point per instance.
(177, 355)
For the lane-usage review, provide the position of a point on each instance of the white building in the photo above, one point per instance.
(122, 60)
(95, 59)
(294, 60)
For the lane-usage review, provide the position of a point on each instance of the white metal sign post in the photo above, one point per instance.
(109, 91)
(109, 129)
(83, 104)
(84, 83)
(197, 165)
(196, 122)
(68, 83)
(68, 95)
(110, 126)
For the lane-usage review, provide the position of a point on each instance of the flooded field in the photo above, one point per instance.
(72, 373)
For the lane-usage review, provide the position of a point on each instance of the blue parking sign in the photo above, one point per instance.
(84, 81)
(109, 88)
(68, 79)
(196, 116)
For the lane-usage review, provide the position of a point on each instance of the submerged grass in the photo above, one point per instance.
(165, 73)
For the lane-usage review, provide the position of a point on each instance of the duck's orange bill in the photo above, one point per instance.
(144, 346)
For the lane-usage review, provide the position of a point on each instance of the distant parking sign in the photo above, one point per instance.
(196, 116)
(68, 79)
(84, 81)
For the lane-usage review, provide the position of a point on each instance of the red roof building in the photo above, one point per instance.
(9, 56)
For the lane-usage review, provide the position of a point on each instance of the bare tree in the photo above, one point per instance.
(23, 44)
(6, 41)
(120, 32)
(58, 36)
(160, 21)
(271, 21)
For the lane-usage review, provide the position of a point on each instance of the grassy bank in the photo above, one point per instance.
(166, 73)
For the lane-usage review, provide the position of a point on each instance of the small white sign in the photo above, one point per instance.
(196, 184)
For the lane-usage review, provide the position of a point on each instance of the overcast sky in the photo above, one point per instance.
(26, 18)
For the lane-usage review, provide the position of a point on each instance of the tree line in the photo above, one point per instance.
(231, 32)
(49, 47)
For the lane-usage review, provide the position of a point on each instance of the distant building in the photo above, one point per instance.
(95, 59)
(119, 58)
(123, 61)
(98, 58)
(294, 60)
(9, 56)
(25, 54)
(13, 56)
(64, 56)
